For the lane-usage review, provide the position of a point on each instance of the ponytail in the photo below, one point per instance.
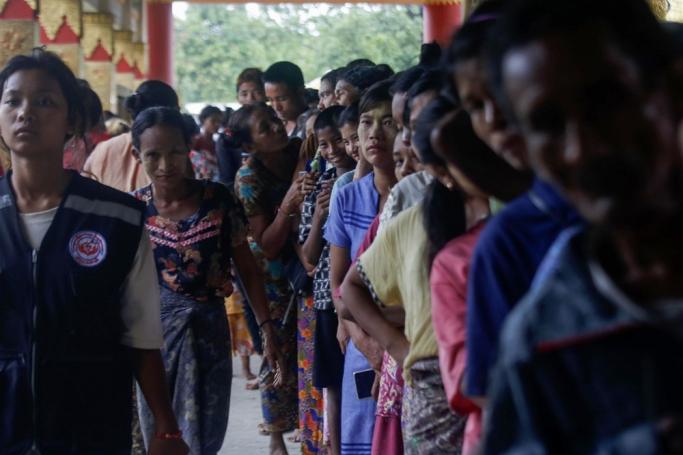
(443, 216)
(151, 94)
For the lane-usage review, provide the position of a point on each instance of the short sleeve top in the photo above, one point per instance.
(192, 255)
(396, 267)
(405, 194)
(510, 250)
(258, 189)
(351, 213)
(448, 280)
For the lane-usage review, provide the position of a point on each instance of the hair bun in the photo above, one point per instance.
(135, 103)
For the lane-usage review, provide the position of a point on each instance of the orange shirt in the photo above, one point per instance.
(112, 163)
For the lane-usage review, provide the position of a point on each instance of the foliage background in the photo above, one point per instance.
(213, 43)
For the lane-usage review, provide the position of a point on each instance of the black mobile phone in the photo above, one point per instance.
(364, 380)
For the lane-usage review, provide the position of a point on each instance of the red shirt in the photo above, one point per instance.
(448, 281)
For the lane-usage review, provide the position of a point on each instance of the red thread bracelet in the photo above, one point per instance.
(169, 436)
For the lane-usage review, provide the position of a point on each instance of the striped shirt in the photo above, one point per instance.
(351, 212)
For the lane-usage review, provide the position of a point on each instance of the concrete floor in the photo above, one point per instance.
(243, 437)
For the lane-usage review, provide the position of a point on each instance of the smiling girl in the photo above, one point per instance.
(271, 197)
(324, 354)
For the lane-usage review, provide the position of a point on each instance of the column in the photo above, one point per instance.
(160, 40)
(139, 66)
(440, 21)
(60, 31)
(19, 31)
(123, 62)
(98, 49)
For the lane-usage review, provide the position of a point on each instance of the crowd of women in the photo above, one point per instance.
(476, 254)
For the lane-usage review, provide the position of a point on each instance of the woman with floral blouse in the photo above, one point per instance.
(196, 228)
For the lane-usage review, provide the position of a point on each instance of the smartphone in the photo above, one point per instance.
(364, 380)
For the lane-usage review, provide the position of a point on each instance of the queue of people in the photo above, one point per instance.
(473, 255)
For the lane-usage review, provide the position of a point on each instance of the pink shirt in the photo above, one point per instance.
(448, 281)
(113, 163)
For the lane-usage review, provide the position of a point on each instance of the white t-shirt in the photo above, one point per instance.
(140, 311)
(405, 194)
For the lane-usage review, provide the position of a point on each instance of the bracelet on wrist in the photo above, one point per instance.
(169, 436)
(284, 212)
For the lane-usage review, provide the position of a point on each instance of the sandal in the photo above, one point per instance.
(295, 437)
(262, 429)
(252, 385)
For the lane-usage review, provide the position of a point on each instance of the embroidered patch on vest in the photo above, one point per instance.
(5, 201)
(88, 248)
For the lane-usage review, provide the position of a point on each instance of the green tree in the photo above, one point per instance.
(215, 42)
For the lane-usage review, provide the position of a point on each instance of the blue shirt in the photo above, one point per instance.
(505, 261)
(583, 368)
(341, 182)
(352, 212)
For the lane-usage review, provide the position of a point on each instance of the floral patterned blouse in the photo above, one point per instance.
(261, 192)
(193, 255)
(203, 158)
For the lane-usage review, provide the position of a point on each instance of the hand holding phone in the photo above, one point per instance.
(364, 380)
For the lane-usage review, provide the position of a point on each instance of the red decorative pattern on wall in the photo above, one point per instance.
(100, 54)
(137, 73)
(122, 66)
(65, 35)
(17, 9)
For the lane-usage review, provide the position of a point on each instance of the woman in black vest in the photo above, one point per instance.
(77, 318)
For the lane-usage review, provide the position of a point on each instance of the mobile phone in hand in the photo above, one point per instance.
(364, 380)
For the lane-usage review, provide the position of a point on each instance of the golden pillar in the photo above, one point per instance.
(60, 31)
(19, 30)
(98, 50)
(123, 61)
(139, 63)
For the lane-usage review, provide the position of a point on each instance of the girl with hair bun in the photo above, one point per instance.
(112, 162)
